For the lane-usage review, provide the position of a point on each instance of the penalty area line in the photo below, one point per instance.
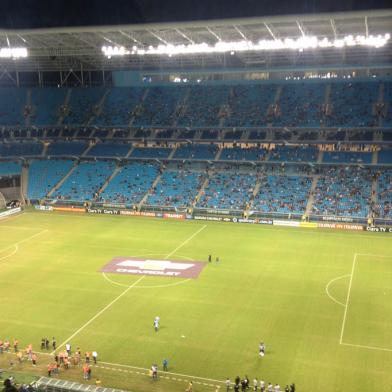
(347, 299)
(367, 347)
(24, 240)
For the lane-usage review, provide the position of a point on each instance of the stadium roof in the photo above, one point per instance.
(81, 47)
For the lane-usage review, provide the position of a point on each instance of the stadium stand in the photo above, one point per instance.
(159, 106)
(9, 168)
(352, 104)
(44, 175)
(228, 191)
(196, 151)
(109, 149)
(347, 157)
(85, 182)
(151, 152)
(294, 154)
(70, 148)
(385, 156)
(243, 154)
(82, 103)
(203, 106)
(300, 104)
(119, 105)
(249, 103)
(343, 191)
(46, 103)
(12, 105)
(384, 197)
(283, 194)
(176, 188)
(131, 184)
(20, 149)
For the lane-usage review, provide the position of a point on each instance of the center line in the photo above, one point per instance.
(123, 293)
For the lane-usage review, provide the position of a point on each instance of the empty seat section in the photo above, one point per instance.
(159, 106)
(203, 106)
(347, 157)
(20, 149)
(243, 154)
(10, 168)
(300, 104)
(283, 194)
(151, 152)
(352, 104)
(82, 103)
(46, 104)
(228, 191)
(12, 104)
(176, 188)
(343, 191)
(73, 148)
(44, 175)
(294, 154)
(196, 151)
(119, 105)
(131, 184)
(85, 181)
(109, 149)
(384, 194)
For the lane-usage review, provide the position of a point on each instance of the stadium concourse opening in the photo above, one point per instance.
(248, 158)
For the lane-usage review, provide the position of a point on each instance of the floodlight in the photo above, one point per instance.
(14, 53)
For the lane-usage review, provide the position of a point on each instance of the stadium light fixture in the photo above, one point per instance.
(299, 44)
(13, 53)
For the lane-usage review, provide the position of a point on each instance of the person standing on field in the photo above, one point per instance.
(95, 355)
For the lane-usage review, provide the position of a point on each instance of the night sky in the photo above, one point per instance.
(19, 14)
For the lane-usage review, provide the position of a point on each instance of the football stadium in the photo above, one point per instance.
(198, 206)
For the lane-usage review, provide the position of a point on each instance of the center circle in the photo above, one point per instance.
(177, 283)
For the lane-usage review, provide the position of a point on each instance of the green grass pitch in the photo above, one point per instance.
(270, 285)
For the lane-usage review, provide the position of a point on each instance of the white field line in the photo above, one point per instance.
(98, 314)
(145, 287)
(20, 227)
(10, 217)
(371, 255)
(11, 254)
(347, 299)
(173, 374)
(185, 242)
(122, 294)
(120, 365)
(327, 289)
(24, 240)
(367, 347)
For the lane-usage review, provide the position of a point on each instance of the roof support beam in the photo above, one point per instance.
(270, 31)
(333, 27)
(301, 29)
(240, 33)
(184, 36)
(158, 37)
(214, 34)
(366, 26)
(130, 37)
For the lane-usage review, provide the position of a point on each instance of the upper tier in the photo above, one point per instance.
(337, 103)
